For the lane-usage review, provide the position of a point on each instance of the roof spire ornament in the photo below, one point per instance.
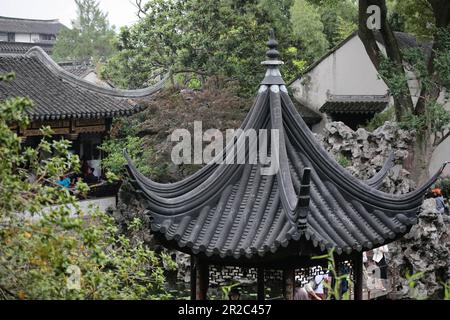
(273, 75)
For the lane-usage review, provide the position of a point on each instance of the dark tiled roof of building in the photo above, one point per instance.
(18, 25)
(7, 47)
(58, 94)
(234, 210)
(354, 104)
(78, 69)
(407, 41)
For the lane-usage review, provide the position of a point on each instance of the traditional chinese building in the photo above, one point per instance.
(19, 35)
(234, 216)
(75, 109)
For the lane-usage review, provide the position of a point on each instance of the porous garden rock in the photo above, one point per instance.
(364, 153)
(426, 248)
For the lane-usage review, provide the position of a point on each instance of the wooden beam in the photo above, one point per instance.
(358, 276)
(202, 279)
(289, 283)
(260, 282)
(193, 278)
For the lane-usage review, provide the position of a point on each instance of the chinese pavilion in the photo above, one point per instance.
(232, 215)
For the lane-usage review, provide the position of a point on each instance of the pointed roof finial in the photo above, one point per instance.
(273, 54)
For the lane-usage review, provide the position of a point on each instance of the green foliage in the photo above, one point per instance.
(442, 59)
(308, 29)
(339, 18)
(394, 77)
(412, 16)
(344, 161)
(223, 39)
(226, 289)
(194, 83)
(411, 279)
(334, 290)
(444, 185)
(115, 162)
(446, 291)
(91, 35)
(435, 120)
(380, 118)
(49, 247)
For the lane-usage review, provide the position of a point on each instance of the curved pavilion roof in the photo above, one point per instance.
(234, 211)
(59, 94)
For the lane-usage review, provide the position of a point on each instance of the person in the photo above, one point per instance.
(91, 178)
(320, 280)
(380, 261)
(440, 203)
(306, 292)
(234, 294)
(64, 182)
(84, 167)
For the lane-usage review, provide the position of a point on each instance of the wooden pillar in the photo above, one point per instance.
(289, 283)
(202, 279)
(193, 278)
(358, 276)
(260, 281)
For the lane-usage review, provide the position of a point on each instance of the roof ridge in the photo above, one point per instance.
(43, 57)
(26, 19)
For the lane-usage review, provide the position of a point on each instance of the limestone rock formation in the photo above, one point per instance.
(363, 153)
(426, 248)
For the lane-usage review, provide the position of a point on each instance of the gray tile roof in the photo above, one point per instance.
(17, 25)
(227, 211)
(78, 69)
(23, 47)
(58, 94)
(355, 104)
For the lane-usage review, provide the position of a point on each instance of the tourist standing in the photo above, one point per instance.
(440, 203)
(380, 260)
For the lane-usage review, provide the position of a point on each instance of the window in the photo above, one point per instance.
(47, 37)
(3, 36)
(11, 37)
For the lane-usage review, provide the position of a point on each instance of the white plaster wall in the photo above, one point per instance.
(92, 77)
(102, 204)
(347, 71)
(23, 37)
(442, 152)
(440, 155)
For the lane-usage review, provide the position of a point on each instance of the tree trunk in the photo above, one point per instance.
(441, 11)
(403, 103)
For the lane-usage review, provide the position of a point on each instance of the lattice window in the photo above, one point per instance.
(221, 275)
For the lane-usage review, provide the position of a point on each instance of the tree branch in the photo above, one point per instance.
(442, 139)
(4, 290)
(139, 6)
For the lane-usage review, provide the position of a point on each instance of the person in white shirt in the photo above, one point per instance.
(380, 260)
(320, 280)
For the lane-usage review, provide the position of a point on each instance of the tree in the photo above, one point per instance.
(415, 17)
(339, 18)
(309, 29)
(49, 247)
(91, 36)
(202, 38)
(432, 70)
